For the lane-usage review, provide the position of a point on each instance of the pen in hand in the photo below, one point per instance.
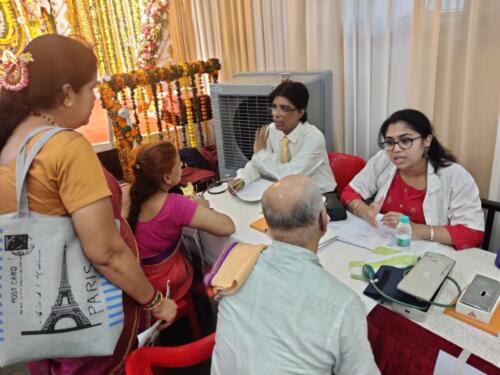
(236, 185)
(162, 324)
(167, 290)
(374, 209)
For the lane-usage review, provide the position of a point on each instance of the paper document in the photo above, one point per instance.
(381, 227)
(327, 238)
(446, 364)
(253, 192)
(149, 336)
(357, 231)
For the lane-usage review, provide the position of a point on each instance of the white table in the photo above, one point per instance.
(336, 256)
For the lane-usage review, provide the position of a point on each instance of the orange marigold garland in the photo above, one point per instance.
(189, 118)
(126, 131)
(172, 114)
(203, 109)
(161, 100)
(182, 112)
(196, 108)
(157, 110)
(144, 108)
(136, 114)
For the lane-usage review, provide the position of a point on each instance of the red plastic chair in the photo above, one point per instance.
(142, 360)
(200, 178)
(344, 168)
(186, 307)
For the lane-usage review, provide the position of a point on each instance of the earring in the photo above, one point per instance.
(68, 104)
(426, 152)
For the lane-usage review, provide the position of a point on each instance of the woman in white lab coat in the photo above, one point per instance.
(415, 175)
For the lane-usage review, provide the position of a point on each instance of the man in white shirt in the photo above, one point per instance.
(290, 144)
(291, 316)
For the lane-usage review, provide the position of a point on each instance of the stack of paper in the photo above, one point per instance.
(357, 231)
(328, 237)
(253, 192)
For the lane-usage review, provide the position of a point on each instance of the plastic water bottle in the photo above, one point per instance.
(403, 233)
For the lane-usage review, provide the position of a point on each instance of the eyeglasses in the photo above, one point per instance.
(404, 143)
(281, 108)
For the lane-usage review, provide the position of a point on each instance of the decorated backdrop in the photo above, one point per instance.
(143, 92)
(125, 34)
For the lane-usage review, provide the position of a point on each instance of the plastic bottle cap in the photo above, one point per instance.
(404, 219)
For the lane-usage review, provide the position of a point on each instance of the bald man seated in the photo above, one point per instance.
(291, 316)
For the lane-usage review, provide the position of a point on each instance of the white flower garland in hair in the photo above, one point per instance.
(14, 71)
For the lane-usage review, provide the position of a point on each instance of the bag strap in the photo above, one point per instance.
(21, 157)
(21, 152)
(23, 165)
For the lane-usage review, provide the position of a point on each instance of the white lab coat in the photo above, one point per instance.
(307, 149)
(452, 195)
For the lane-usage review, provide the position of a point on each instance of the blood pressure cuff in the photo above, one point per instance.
(387, 280)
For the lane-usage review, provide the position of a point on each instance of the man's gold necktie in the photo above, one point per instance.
(284, 153)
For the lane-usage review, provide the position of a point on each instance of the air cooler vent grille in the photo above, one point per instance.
(241, 116)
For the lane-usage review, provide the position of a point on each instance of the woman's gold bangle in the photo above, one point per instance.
(157, 300)
(354, 207)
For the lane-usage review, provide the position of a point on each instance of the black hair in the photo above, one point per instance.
(438, 155)
(152, 161)
(295, 92)
(57, 60)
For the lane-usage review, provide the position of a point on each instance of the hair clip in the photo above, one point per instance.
(14, 70)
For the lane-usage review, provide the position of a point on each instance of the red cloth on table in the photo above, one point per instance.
(401, 346)
(404, 198)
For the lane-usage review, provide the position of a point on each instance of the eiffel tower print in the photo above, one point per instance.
(65, 307)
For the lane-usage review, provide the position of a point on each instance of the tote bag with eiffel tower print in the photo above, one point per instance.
(53, 302)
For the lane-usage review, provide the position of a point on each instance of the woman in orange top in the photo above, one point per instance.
(57, 88)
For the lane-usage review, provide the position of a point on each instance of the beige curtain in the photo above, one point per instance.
(303, 35)
(495, 188)
(181, 27)
(439, 56)
(225, 29)
(455, 77)
(274, 35)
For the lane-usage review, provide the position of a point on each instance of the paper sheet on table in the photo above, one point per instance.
(327, 238)
(149, 336)
(253, 192)
(446, 364)
(357, 231)
(382, 227)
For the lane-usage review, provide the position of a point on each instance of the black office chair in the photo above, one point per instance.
(491, 208)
